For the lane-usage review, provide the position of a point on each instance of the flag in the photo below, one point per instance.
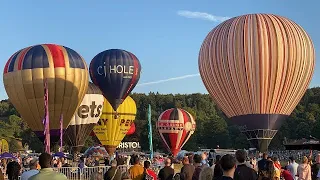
(45, 120)
(150, 132)
(61, 131)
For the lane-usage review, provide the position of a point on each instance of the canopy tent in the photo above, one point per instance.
(7, 156)
(300, 144)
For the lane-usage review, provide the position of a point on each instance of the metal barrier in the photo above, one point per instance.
(72, 173)
(75, 173)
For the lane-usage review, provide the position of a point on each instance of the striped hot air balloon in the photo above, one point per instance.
(85, 118)
(257, 67)
(66, 74)
(175, 127)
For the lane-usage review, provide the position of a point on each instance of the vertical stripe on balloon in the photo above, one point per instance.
(6, 67)
(57, 55)
(22, 56)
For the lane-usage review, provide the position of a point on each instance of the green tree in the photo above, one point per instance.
(4, 108)
(13, 145)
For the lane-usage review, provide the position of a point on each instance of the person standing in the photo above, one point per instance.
(277, 168)
(293, 168)
(33, 170)
(315, 168)
(228, 165)
(217, 170)
(304, 170)
(204, 158)
(198, 167)
(136, 171)
(206, 173)
(286, 174)
(106, 161)
(187, 170)
(81, 164)
(149, 171)
(262, 164)
(167, 172)
(113, 173)
(243, 172)
(13, 170)
(46, 172)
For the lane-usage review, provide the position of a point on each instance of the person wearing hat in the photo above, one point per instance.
(33, 170)
(113, 173)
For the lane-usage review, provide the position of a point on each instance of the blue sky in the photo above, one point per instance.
(161, 34)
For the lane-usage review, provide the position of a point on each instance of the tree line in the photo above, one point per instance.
(213, 127)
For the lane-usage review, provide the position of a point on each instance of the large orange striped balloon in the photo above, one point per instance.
(257, 67)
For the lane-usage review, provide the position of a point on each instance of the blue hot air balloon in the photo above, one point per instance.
(116, 72)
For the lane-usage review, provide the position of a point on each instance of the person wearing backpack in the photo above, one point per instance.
(113, 173)
(243, 172)
(149, 174)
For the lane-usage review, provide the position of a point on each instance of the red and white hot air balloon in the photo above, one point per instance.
(175, 127)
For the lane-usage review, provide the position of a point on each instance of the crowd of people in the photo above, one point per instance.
(241, 166)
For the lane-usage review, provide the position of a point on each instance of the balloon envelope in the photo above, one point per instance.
(113, 127)
(4, 146)
(85, 118)
(96, 151)
(67, 77)
(116, 72)
(257, 67)
(175, 127)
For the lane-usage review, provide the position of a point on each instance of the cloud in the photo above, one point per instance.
(202, 15)
(169, 79)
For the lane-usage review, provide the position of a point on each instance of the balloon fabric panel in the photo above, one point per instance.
(165, 136)
(257, 64)
(24, 84)
(186, 134)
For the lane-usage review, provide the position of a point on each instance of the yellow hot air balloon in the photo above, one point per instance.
(66, 74)
(113, 126)
(4, 146)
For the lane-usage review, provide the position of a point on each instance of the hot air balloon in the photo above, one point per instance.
(66, 74)
(175, 127)
(85, 118)
(111, 129)
(257, 67)
(4, 146)
(116, 72)
(132, 129)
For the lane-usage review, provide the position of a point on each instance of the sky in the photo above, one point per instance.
(165, 35)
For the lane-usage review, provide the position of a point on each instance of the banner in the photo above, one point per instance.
(61, 132)
(46, 121)
(129, 145)
(89, 110)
